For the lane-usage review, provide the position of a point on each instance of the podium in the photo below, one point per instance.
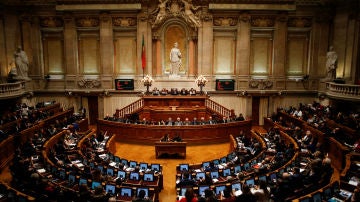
(170, 148)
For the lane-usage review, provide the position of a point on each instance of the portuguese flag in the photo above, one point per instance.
(143, 55)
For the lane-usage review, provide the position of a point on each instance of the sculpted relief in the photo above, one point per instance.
(176, 8)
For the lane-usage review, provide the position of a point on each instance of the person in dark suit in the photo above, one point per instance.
(165, 138)
(195, 122)
(141, 197)
(186, 181)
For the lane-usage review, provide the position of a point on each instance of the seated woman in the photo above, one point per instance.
(192, 91)
(156, 91)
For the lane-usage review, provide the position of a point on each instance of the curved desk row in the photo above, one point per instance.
(199, 134)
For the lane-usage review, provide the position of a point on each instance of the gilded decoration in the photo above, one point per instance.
(299, 22)
(51, 22)
(89, 83)
(260, 83)
(184, 9)
(124, 21)
(225, 21)
(87, 22)
(262, 21)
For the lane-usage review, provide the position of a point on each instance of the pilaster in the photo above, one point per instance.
(106, 45)
(70, 45)
(243, 45)
(280, 36)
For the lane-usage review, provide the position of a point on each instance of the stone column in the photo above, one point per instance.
(70, 46)
(243, 45)
(206, 46)
(280, 36)
(192, 56)
(106, 46)
(157, 68)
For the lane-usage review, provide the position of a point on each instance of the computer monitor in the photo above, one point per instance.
(223, 160)
(226, 172)
(182, 191)
(142, 188)
(62, 174)
(134, 176)
(110, 189)
(250, 182)
(246, 166)
(205, 164)
(231, 156)
(124, 162)
(216, 162)
(82, 181)
(110, 171)
(202, 189)
(317, 197)
(71, 179)
(219, 189)
(236, 186)
(92, 165)
(327, 193)
(116, 159)
(143, 166)
(214, 174)
(273, 176)
(190, 176)
(306, 199)
(184, 167)
(200, 175)
(132, 164)
(101, 168)
(121, 174)
(95, 184)
(262, 178)
(155, 167)
(149, 177)
(237, 169)
(125, 191)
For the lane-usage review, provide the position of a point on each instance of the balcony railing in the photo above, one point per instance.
(343, 91)
(218, 108)
(121, 113)
(10, 90)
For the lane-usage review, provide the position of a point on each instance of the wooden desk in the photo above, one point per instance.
(170, 148)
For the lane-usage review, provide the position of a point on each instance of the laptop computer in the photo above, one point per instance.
(226, 172)
(250, 182)
(110, 189)
(125, 194)
(143, 166)
(219, 189)
(149, 177)
(82, 181)
(184, 167)
(134, 176)
(95, 184)
(110, 171)
(202, 189)
(132, 164)
(142, 188)
(121, 174)
(200, 175)
(155, 167)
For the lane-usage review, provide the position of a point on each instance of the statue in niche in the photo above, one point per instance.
(175, 60)
(331, 63)
(161, 9)
(21, 64)
(189, 15)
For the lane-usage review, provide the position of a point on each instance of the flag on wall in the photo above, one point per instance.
(143, 55)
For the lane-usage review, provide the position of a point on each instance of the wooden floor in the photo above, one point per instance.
(194, 154)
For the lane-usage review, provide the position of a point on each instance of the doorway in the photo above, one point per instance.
(255, 110)
(93, 109)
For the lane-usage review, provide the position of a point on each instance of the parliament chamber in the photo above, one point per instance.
(179, 100)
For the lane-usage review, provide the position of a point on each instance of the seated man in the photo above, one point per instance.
(177, 138)
(141, 197)
(178, 122)
(186, 180)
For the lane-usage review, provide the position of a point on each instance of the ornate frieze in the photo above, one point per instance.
(262, 21)
(245, 17)
(299, 22)
(87, 22)
(89, 83)
(124, 21)
(225, 21)
(51, 21)
(176, 8)
(260, 83)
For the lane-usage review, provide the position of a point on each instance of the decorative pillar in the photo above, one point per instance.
(206, 43)
(280, 36)
(243, 45)
(106, 45)
(70, 46)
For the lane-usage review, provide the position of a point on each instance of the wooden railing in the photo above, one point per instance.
(8, 90)
(218, 108)
(345, 91)
(121, 113)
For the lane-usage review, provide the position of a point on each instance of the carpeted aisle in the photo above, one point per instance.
(195, 155)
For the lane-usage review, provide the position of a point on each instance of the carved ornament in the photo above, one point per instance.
(124, 21)
(225, 21)
(51, 22)
(184, 9)
(89, 83)
(299, 22)
(260, 83)
(262, 21)
(87, 22)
